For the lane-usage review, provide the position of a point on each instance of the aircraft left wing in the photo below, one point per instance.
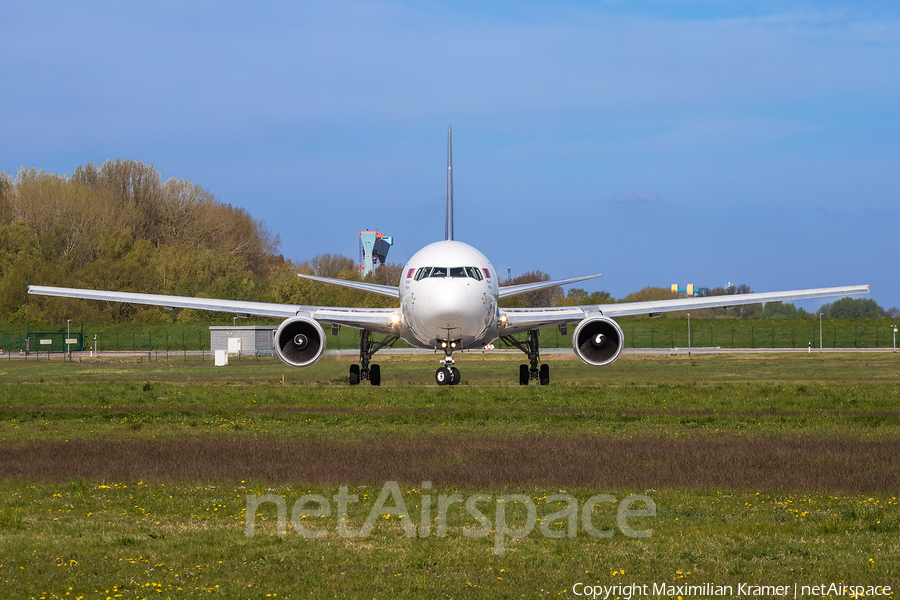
(373, 319)
(523, 319)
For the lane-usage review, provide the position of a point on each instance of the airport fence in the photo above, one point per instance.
(639, 333)
(749, 333)
(133, 337)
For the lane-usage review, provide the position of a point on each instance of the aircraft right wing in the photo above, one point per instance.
(390, 291)
(523, 319)
(524, 288)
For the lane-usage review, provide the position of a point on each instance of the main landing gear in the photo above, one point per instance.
(364, 371)
(448, 374)
(531, 349)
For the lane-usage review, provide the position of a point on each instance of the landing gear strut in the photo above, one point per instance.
(364, 371)
(533, 352)
(448, 374)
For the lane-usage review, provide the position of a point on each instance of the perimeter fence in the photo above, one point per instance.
(639, 333)
(736, 333)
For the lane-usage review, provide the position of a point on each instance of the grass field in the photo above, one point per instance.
(123, 478)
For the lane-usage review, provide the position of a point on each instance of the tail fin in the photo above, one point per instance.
(448, 225)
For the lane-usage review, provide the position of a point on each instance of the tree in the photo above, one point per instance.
(852, 308)
(722, 291)
(386, 274)
(744, 311)
(18, 262)
(327, 265)
(118, 226)
(719, 291)
(544, 297)
(580, 297)
(136, 187)
(783, 310)
(5, 199)
(649, 294)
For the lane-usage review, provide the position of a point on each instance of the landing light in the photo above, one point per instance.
(395, 320)
(453, 344)
(443, 344)
(503, 318)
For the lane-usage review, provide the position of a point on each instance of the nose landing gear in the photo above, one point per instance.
(448, 374)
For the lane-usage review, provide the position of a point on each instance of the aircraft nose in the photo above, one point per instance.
(448, 299)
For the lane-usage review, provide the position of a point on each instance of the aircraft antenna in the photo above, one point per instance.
(448, 225)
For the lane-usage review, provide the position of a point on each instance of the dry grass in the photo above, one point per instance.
(772, 463)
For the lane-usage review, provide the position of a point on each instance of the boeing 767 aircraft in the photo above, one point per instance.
(448, 300)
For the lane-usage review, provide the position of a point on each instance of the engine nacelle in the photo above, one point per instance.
(299, 341)
(598, 341)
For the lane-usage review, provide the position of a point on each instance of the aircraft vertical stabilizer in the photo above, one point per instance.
(448, 226)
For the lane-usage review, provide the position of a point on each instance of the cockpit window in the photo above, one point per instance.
(471, 272)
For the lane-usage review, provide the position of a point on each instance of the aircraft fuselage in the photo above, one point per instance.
(449, 293)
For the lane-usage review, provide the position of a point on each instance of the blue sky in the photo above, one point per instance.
(656, 142)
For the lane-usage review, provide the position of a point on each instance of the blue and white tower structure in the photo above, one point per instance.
(373, 250)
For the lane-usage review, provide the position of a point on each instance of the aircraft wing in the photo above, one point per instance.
(384, 290)
(524, 288)
(523, 319)
(373, 319)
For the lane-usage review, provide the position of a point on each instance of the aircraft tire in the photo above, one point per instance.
(545, 374)
(523, 374)
(375, 375)
(354, 374)
(443, 376)
(456, 376)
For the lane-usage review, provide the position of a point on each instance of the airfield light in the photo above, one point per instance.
(895, 338)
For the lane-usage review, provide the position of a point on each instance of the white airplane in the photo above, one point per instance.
(449, 297)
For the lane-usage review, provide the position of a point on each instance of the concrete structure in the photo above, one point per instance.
(248, 340)
(373, 250)
(690, 291)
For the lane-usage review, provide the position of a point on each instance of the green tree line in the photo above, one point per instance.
(119, 226)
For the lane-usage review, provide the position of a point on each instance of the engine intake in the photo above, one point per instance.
(598, 341)
(299, 341)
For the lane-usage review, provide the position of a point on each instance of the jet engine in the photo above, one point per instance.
(299, 341)
(598, 341)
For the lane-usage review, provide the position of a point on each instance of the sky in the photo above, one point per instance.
(656, 142)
